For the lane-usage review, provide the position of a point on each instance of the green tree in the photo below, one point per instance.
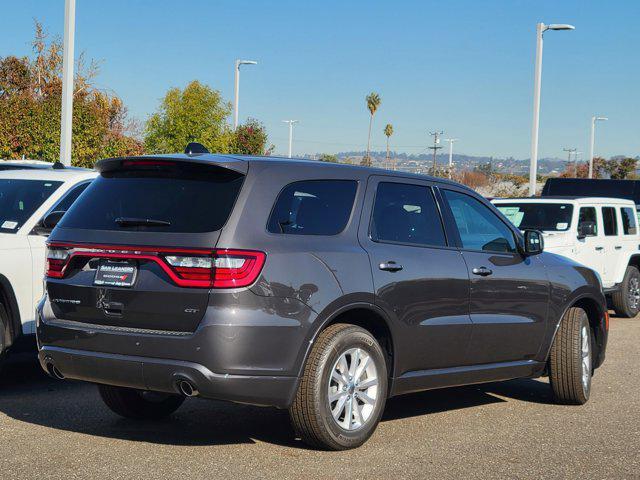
(620, 168)
(30, 102)
(373, 102)
(388, 131)
(250, 139)
(196, 113)
(327, 157)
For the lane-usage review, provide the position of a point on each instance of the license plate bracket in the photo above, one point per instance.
(116, 274)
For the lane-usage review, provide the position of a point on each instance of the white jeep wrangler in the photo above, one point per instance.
(601, 233)
(31, 201)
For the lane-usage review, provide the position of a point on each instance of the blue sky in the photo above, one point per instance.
(462, 66)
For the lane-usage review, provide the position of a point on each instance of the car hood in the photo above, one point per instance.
(555, 240)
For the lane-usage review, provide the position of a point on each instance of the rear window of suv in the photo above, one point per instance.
(178, 199)
(314, 207)
(20, 198)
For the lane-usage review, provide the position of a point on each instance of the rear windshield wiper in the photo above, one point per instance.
(141, 222)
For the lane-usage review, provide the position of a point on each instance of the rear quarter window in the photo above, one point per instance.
(313, 207)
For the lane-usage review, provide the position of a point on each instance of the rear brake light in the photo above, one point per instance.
(57, 259)
(225, 269)
(236, 268)
(147, 163)
(185, 267)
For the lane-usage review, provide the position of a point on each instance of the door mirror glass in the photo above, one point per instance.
(48, 223)
(586, 229)
(533, 242)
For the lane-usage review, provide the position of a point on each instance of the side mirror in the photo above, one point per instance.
(533, 242)
(586, 229)
(48, 223)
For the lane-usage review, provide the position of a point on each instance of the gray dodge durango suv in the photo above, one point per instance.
(317, 287)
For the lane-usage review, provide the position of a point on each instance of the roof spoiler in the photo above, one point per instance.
(159, 161)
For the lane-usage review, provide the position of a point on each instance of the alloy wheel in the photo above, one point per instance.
(634, 293)
(586, 357)
(353, 389)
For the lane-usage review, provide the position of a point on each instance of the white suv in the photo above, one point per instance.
(26, 198)
(601, 233)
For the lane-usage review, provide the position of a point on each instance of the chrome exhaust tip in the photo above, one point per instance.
(53, 371)
(187, 389)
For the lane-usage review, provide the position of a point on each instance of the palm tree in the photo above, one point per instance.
(373, 102)
(388, 131)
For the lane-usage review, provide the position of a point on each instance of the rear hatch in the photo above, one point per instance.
(138, 249)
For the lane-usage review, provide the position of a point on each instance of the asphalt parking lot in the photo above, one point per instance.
(53, 429)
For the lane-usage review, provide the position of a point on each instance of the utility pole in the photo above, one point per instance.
(570, 151)
(290, 122)
(66, 120)
(436, 146)
(450, 140)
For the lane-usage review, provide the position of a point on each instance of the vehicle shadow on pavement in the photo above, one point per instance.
(28, 395)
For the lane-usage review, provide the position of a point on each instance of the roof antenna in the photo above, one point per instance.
(195, 148)
(58, 165)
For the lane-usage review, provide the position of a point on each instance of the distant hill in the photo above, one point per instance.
(421, 162)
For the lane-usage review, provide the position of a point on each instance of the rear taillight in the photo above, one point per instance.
(236, 268)
(57, 259)
(186, 268)
(224, 269)
(192, 269)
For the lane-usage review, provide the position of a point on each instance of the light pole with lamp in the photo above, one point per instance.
(237, 88)
(594, 119)
(533, 167)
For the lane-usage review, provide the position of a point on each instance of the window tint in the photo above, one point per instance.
(479, 227)
(314, 207)
(629, 225)
(588, 214)
(610, 221)
(405, 213)
(180, 199)
(70, 197)
(19, 199)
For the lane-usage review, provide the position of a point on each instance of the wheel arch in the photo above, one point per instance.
(365, 315)
(598, 319)
(634, 261)
(8, 299)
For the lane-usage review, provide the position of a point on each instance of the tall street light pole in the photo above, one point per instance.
(290, 122)
(533, 168)
(237, 88)
(66, 119)
(450, 140)
(594, 119)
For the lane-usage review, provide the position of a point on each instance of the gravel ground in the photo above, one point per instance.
(61, 430)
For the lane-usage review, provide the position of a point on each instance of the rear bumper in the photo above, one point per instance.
(163, 375)
(247, 354)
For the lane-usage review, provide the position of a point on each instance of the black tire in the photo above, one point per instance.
(311, 412)
(4, 333)
(626, 301)
(137, 404)
(566, 362)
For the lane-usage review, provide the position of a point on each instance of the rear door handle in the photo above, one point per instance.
(390, 266)
(482, 271)
(618, 247)
(599, 248)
